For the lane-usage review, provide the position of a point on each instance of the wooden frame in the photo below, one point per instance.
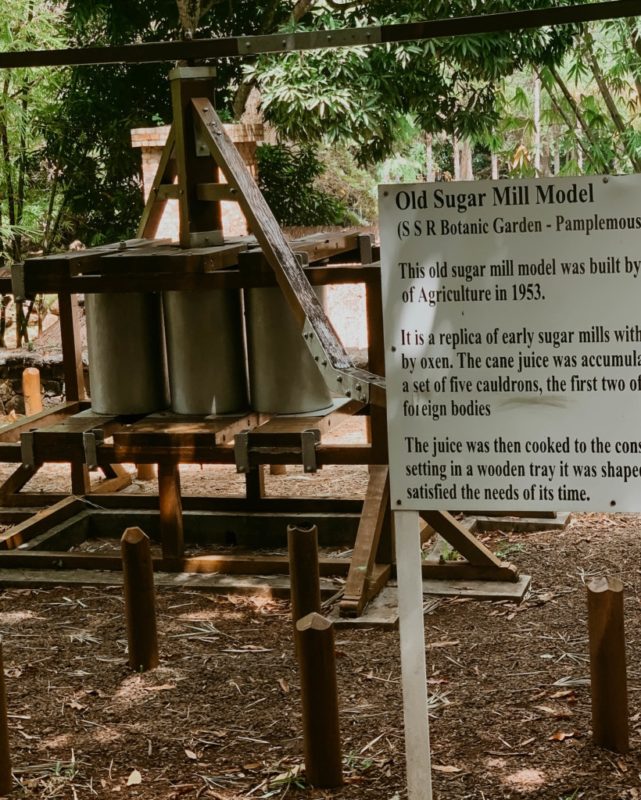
(73, 434)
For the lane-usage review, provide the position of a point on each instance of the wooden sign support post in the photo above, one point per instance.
(413, 671)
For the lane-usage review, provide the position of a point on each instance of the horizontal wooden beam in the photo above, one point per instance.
(180, 273)
(215, 192)
(244, 46)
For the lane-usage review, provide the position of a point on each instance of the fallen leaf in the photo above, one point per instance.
(76, 705)
(134, 779)
(565, 694)
(448, 769)
(561, 736)
(191, 754)
(557, 713)
(13, 672)
(283, 685)
(163, 688)
(434, 645)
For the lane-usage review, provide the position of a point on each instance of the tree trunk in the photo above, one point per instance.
(537, 125)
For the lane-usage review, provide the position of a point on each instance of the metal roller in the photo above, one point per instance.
(205, 351)
(283, 376)
(127, 367)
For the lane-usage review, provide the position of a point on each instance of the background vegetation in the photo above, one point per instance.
(545, 102)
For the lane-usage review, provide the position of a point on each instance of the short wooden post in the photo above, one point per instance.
(607, 664)
(302, 546)
(140, 600)
(146, 472)
(321, 731)
(171, 511)
(6, 781)
(31, 391)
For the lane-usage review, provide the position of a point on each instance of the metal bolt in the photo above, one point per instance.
(393, 349)
(605, 179)
(398, 502)
(348, 394)
(339, 379)
(358, 387)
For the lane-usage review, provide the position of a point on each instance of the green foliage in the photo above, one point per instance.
(287, 178)
(362, 94)
(90, 136)
(28, 186)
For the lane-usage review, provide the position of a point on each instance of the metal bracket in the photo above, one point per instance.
(241, 451)
(90, 442)
(347, 383)
(192, 73)
(18, 285)
(206, 238)
(28, 448)
(308, 441)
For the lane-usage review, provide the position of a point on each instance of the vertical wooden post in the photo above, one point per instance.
(6, 782)
(413, 670)
(607, 664)
(74, 375)
(321, 732)
(31, 391)
(140, 600)
(171, 511)
(145, 472)
(255, 484)
(71, 347)
(302, 547)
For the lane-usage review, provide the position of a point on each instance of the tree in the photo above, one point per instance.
(361, 94)
(28, 194)
(358, 95)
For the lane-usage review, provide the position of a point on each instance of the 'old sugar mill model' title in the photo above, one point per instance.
(501, 195)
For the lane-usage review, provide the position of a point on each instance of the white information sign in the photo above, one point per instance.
(512, 314)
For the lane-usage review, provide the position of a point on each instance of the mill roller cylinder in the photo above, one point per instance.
(127, 365)
(205, 351)
(283, 376)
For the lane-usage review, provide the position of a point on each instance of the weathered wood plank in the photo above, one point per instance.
(71, 347)
(11, 432)
(171, 432)
(14, 483)
(367, 538)
(156, 204)
(40, 522)
(461, 539)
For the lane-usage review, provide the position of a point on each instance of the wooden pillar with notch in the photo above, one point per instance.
(74, 375)
(171, 511)
(200, 219)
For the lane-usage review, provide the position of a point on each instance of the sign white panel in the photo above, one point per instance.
(512, 314)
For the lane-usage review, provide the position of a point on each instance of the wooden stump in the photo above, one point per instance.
(31, 391)
(140, 600)
(304, 577)
(607, 664)
(321, 732)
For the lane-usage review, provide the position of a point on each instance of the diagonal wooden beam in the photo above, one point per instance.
(355, 593)
(461, 539)
(18, 478)
(155, 205)
(333, 361)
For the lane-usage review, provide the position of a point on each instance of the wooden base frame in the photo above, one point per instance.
(71, 433)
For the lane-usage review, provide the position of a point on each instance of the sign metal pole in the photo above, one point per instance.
(413, 670)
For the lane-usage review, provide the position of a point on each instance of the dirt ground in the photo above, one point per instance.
(220, 718)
